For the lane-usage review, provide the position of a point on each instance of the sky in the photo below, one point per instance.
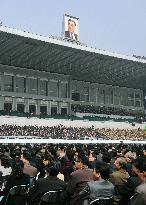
(113, 25)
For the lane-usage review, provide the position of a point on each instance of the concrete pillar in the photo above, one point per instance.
(38, 86)
(14, 83)
(1, 103)
(49, 108)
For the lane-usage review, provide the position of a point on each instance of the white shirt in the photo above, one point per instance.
(5, 171)
(72, 36)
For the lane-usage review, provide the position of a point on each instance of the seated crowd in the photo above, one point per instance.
(104, 110)
(82, 173)
(72, 133)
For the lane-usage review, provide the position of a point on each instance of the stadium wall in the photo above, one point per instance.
(29, 90)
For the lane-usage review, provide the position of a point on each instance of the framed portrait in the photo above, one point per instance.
(71, 27)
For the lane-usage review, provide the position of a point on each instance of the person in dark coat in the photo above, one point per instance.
(78, 181)
(133, 181)
(43, 185)
(139, 197)
(16, 178)
(101, 187)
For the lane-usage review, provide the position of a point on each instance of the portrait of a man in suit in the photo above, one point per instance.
(71, 30)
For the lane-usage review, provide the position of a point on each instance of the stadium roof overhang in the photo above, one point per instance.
(32, 51)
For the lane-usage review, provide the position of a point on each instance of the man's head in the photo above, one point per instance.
(26, 157)
(101, 170)
(137, 166)
(81, 163)
(120, 163)
(52, 170)
(142, 173)
(71, 25)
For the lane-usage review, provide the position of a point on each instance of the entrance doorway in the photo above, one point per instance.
(43, 110)
(8, 107)
(32, 109)
(20, 108)
(53, 110)
(63, 111)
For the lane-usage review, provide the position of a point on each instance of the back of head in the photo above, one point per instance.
(121, 163)
(26, 156)
(138, 164)
(5, 161)
(18, 168)
(103, 169)
(106, 158)
(81, 162)
(52, 170)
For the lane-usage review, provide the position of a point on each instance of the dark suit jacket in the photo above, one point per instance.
(12, 181)
(119, 178)
(43, 185)
(78, 181)
(97, 189)
(67, 34)
(30, 170)
(128, 189)
(139, 197)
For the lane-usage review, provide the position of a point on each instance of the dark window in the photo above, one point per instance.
(137, 95)
(20, 84)
(53, 110)
(137, 103)
(130, 95)
(20, 107)
(8, 83)
(63, 88)
(43, 87)
(85, 94)
(43, 109)
(63, 111)
(53, 89)
(32, 109)
(32, 86)
(8, 107)
(76, 96)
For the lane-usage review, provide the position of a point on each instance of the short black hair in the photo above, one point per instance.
(138, 164)
(83, 159)
(52, 170)
(103, 169)
(18, 168)
(106, 158)
(72, 21)
(144, 167)
(27, 156)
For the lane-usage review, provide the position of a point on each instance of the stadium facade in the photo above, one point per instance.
(47, 75)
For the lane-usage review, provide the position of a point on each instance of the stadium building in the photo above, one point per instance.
(50, 75)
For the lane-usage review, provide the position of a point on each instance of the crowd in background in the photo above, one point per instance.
(84, 172)
(105, 110)
(123, 134)
(72, 133)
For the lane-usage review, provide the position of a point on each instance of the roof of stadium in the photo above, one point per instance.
(58, 55)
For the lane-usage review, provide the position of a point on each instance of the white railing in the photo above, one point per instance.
(34, 140)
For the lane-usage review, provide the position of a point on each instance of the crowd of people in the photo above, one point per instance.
(105, 110)
(72, 133)
(123, 134)
(82, 172)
